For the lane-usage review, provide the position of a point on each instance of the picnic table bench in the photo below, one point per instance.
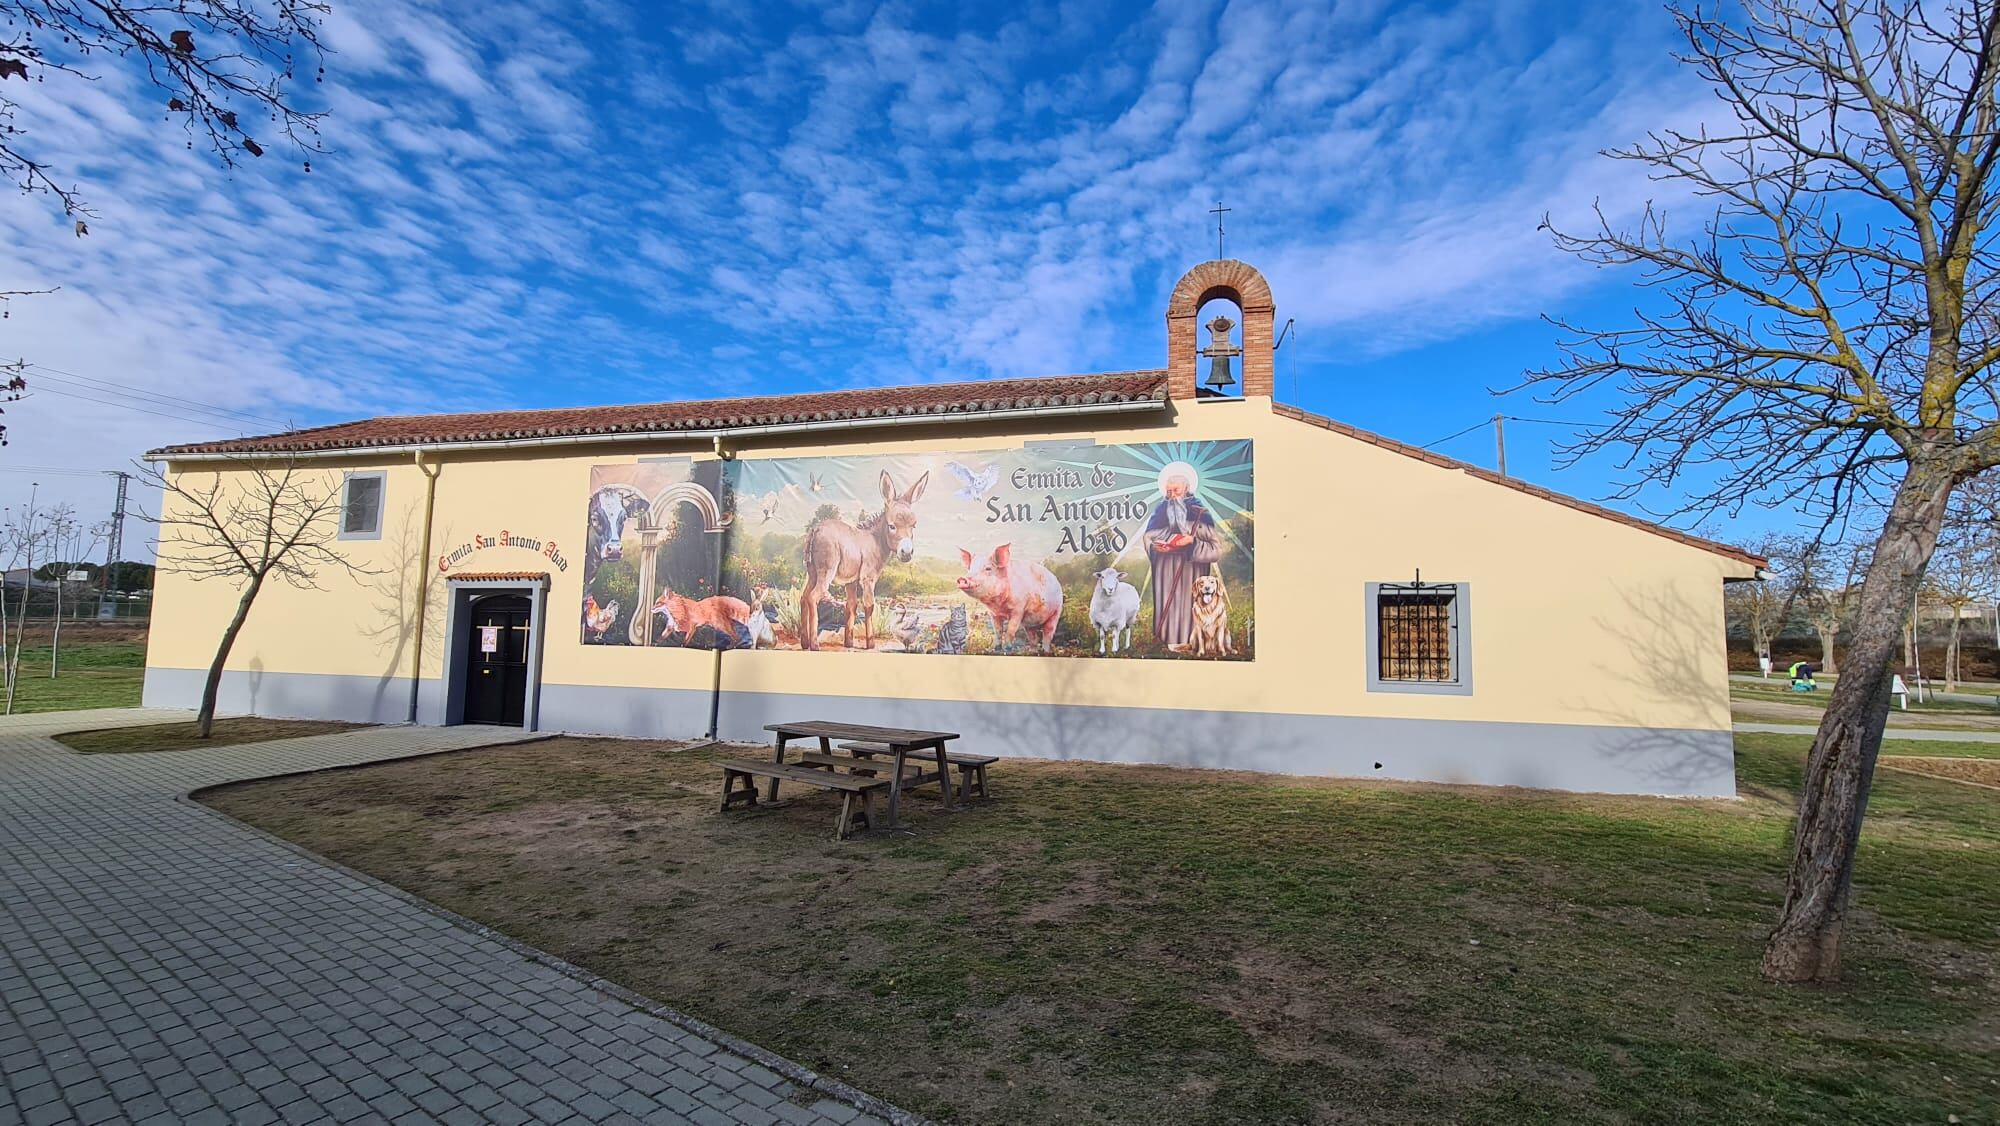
(971, 768)
(901, 743)
(850, 787)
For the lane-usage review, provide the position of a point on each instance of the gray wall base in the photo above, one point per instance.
(1625, 760)
(285, 695)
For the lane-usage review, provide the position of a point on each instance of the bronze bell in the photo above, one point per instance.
(1221, 375)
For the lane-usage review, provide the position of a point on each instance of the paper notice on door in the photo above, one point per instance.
(489, 639)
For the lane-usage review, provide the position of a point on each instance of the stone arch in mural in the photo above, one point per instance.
(659, 518)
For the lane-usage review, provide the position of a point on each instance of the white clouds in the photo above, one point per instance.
(528, 203)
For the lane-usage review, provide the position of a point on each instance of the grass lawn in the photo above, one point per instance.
(1777, 692)
(1939, 748)
(1149, 945)
(184, 735)
(95, 674)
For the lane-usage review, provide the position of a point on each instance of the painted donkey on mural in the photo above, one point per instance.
(840, 554)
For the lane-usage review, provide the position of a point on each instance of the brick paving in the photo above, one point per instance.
(159, 963)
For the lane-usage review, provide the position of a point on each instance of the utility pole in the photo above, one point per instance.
(1500, 442)
(114, 543)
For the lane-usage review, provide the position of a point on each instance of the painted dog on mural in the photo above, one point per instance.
(840, 554)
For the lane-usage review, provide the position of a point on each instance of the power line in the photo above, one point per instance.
(153, 398)
(1548, 421)
(132, 407)
(114, 385)
(1460, 434)
(1495, 420)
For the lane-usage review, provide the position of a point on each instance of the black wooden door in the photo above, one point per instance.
(496, 661)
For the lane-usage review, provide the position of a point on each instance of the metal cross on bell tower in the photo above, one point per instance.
(1220, 352)
(1219, 211)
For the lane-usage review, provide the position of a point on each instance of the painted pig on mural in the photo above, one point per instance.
(1022, 594)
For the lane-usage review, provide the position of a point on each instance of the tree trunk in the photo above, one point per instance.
(1826, 639)
(20, 637)
(6, 652)
(1805, 947)
(205, 719)
(55, 638)
(1951, 655)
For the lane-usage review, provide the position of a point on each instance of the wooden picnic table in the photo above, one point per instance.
(900, 741)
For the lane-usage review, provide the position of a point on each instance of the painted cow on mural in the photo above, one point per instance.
(839, 554)
(1023, 595)
(611, 508)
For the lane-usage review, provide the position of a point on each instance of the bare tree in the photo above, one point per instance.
(24, 533)
(220, 66)
(1827, 331)
(214, 60)
(256, 522)
(1830, 586)
(1959, 578)
(70, 544)
(1757, 607)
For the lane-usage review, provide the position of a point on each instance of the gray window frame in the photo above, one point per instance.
(1461, 649)
(381, 503)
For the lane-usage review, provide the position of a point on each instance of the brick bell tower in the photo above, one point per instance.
(1235, 281)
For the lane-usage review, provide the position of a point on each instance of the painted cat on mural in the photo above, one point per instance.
(953, 633)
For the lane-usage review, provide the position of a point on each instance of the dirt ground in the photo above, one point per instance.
(186, 735)
(1985, 772)
(1151, 945)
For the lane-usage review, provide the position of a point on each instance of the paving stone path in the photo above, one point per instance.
(159, 963)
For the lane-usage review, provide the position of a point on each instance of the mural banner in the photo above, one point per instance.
(1141, 550)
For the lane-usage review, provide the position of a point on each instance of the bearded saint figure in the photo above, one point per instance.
(1181, 542)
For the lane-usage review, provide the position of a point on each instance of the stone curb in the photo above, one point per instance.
(802, 1076)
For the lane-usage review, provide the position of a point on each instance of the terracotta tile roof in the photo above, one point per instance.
(1324, 423)
(940, 399)
(499, 577)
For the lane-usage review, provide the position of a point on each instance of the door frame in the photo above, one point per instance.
(458, 637)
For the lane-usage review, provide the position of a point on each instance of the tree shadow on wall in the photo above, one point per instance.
(1672, 740)
(1072, 722)
(393, 606)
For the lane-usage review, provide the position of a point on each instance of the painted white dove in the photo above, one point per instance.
(976, 485)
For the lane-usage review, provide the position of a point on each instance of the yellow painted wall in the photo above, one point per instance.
(1574, 618)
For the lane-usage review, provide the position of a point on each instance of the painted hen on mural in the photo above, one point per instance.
(598, 620)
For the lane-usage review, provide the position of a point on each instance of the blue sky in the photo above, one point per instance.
(536, 204)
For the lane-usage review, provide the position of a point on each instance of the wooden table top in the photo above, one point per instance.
(860, 732)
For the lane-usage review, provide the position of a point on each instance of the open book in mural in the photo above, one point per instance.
(1132, 550)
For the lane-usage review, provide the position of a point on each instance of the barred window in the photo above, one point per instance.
(1417, 637)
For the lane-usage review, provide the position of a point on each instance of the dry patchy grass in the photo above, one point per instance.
(1152, 945)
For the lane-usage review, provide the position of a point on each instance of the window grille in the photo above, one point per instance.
(1417, 632)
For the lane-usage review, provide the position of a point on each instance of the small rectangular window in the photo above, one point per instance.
(1418, 640)
(361, 507)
